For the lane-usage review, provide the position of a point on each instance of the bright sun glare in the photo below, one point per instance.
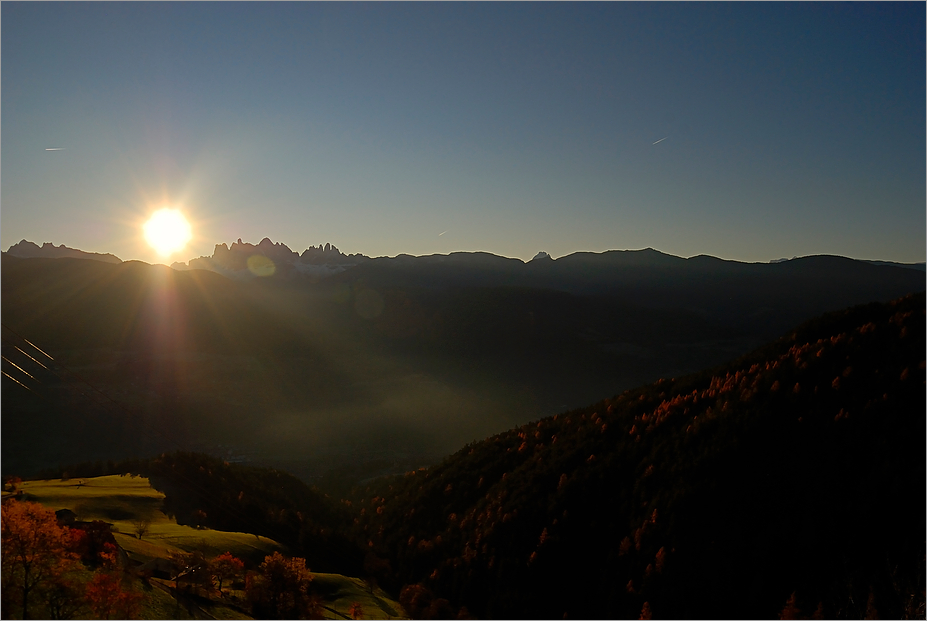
(167, 231)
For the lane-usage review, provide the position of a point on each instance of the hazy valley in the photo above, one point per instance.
(389, 362)
(781, 480)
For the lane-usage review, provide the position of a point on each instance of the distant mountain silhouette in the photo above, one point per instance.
(914, 266)
(773, 296)
(29, 250)
(267, 258)
(358, 363)
(922, 267)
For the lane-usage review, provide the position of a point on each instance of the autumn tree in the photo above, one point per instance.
(420, 603)
(415, 598)
(108, 600)
(790, 610)
(36, 553)
(280, 590)
(439, 608)
(226, 567)
(94, 542)
(64, 597)
(871, 612)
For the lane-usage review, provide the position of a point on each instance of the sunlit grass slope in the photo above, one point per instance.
(124, 500)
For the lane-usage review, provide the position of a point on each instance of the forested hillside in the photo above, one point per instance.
(790, 481)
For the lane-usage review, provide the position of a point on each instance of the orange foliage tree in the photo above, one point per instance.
(226, 567)
(108, 600)
(37, 554)
(790, 610)
(645, 611)
(420, 603)
(280, 590)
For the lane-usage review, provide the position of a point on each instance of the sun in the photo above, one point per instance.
(167, 231)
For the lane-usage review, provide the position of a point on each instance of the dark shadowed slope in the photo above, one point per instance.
(796, 469)
(177, 358)
(303, 374)
(395, 361)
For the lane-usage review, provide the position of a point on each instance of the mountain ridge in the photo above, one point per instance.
(29, 250)
(234, 257)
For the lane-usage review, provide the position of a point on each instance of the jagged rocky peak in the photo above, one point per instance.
(236, 256)
(320, 261)
(322, 255)
(266, 247)
(541, 256)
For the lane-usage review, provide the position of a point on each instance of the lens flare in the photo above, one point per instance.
(259, 265)
(167, 231)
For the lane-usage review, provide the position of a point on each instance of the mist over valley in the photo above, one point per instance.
(381, 364)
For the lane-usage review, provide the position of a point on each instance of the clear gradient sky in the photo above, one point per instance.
(790, 129)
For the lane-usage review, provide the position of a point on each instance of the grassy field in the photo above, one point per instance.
(125, 500)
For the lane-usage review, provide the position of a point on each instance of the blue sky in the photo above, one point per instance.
(790, 129)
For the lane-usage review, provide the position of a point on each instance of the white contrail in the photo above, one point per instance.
(661, 140)
(442, 233)
(56, 149)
